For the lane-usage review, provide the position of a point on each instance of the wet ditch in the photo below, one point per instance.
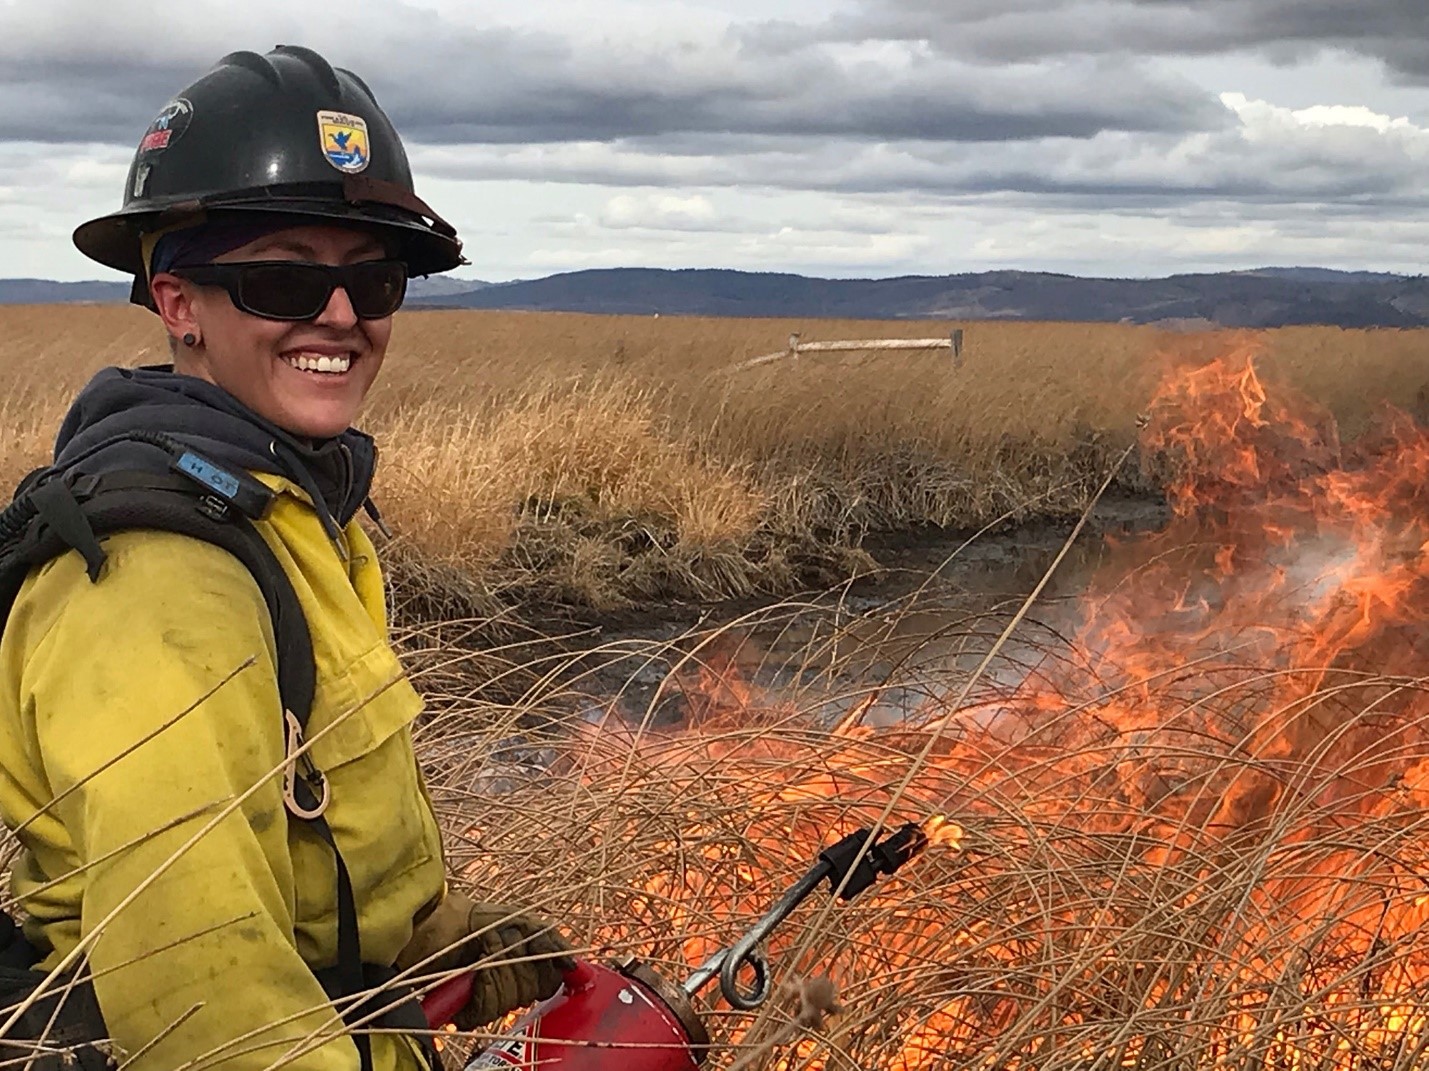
(877, 647)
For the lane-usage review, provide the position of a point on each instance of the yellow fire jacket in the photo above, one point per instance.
(121, 741)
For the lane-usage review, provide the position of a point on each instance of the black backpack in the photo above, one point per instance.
(177, 489)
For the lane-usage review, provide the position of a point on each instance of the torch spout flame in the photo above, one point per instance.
(943, 833)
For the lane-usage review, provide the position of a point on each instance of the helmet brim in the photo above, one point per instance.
(115, 240)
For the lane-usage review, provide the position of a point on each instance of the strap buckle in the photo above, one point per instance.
(309, 777)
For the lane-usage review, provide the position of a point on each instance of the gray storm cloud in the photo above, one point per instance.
(1260, 156)
(1395, 32)
(445, 81)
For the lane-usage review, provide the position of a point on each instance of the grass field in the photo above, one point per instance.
(1193, 802)
(612, 460)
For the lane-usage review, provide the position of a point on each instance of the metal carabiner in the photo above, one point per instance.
(311, 776)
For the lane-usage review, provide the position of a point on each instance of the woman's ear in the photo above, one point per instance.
(173, 299)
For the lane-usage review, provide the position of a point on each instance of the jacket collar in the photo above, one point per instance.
(336, 473)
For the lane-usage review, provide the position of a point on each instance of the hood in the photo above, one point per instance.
(335, 473)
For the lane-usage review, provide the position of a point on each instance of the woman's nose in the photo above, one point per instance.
(338, 312)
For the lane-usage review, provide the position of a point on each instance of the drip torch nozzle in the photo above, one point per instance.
(852, 870)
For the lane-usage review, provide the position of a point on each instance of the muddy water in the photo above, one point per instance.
(877, 649)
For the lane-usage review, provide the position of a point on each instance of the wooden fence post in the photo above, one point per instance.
(957, 341)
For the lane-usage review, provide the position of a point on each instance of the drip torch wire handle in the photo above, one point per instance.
(851, 866)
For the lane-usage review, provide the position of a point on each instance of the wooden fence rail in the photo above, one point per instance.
(953, 342)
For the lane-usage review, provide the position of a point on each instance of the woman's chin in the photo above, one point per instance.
(315, 421)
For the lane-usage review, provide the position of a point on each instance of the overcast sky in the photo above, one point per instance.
(832, 137)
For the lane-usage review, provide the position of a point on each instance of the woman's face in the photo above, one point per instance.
(256, 360)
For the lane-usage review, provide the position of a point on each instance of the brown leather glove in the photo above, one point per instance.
(517, 958)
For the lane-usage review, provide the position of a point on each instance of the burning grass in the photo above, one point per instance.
(1061, 935)
(1192, 805)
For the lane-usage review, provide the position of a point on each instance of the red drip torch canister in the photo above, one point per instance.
(624, 1017)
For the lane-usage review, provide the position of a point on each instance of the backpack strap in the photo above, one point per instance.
(58, 511)
(61, 512)
(68, 513)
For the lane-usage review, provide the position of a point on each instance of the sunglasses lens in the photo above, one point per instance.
(376, 288)
(298, 291)
(284, 291)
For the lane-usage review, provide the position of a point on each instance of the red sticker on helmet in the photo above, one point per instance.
(168, 126)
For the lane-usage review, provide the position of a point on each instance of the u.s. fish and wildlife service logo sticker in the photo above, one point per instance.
(344, 140)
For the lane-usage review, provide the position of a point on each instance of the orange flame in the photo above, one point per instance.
(942, 833)
(1191, 834)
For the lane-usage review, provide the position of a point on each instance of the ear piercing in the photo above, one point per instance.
(190, 339)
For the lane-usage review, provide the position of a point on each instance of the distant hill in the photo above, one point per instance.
(1263, 297)
(1322, 275)
(49, 292)
(436, 287)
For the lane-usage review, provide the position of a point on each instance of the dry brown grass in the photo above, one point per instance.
(602, 460)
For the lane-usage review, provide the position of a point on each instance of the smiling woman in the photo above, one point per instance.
(295, 324)
(205, 737)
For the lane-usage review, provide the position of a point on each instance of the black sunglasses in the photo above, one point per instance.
(300, 290)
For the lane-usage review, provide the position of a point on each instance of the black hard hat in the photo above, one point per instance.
(285, 134)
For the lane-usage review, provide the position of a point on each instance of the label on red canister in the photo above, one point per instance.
(514, 1052)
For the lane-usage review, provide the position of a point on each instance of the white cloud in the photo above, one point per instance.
(836, 250)
(658, 211)
(1260, 114)
(1351, 115)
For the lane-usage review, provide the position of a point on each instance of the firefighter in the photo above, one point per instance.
(207, 852)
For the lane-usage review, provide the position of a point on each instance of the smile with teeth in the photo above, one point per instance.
(319, 362)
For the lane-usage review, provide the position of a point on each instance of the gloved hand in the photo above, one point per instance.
(517, 958)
